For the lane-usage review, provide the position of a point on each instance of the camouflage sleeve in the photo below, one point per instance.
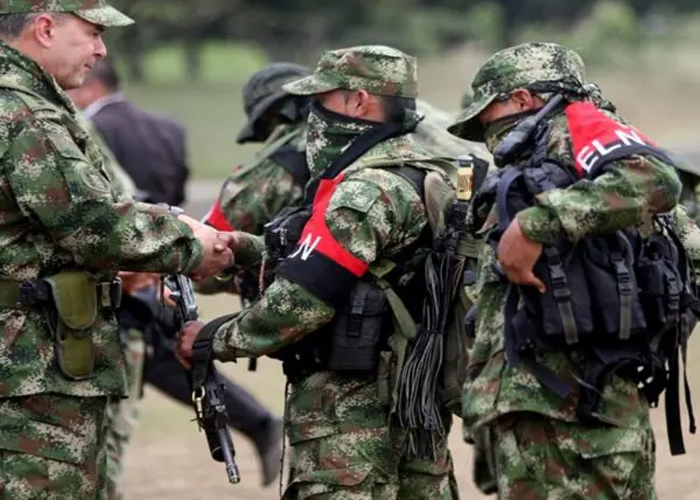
(249, 250)
(367, 219)
(250, 201)
(689, 234)
(628, 194)
(57, 188)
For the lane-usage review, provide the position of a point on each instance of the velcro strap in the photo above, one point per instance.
(624, 286)
(202, 352)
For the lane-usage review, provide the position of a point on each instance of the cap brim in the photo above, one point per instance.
(104, 16)
(309, 85)
(468, 125)
(247, 133)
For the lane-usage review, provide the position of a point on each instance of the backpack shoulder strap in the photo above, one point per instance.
(294, 162)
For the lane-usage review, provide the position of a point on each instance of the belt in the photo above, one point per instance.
(37, 292)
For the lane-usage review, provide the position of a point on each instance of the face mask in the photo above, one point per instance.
(498, 129)
(328, 135)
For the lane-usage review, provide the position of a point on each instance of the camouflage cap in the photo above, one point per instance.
(94, 11)
(541, 67)
(374, 68)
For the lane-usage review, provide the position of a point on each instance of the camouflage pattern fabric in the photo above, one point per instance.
(374, 68)
(690, 196)
(95, 11)
(123, 414)
(342, 448)
(541, 67)
(628, 194)
(256, 192)
(540, 458)
(59, 212)
(64, 215)
(50, 447)
(640, 187)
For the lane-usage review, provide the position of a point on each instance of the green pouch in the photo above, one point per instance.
(74, 296)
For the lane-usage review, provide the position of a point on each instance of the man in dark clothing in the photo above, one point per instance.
(150, 147)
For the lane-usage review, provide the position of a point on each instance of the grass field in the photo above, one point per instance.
(169, 458)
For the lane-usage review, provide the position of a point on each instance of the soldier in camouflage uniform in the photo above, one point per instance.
(259, 189)
(338, 424)
(65, 235)
(542, 449)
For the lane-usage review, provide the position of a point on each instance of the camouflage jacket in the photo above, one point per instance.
(257, 191)
(58, 212)
(372, 214)
(630, 192)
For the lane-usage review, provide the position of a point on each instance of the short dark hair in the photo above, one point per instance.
(395, 107)
(105, 72)
(12, 25)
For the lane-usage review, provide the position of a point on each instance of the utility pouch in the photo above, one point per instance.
(660, 283)
(359, 330)
(71, 314)
(563, 313)
(609, 264)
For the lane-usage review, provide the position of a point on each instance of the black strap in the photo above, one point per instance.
(509, 176)
(520, 349)
(673, 413)
(294, 162)
(415, 176)
(688, 399)
(201, 351)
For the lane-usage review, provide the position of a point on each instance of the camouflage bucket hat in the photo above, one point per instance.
(375, 68)
(541, 67)
(263, 90)
(94, 11)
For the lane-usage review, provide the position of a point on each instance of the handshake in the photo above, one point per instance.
(218, 246)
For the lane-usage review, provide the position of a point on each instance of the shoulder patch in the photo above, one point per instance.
(94, 179)
(356, 195)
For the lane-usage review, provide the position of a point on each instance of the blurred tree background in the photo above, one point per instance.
(190, 59)
(298, 29)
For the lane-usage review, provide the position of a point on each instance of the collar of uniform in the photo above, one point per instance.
(21, 70)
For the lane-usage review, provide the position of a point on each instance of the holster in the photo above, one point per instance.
(70, 301)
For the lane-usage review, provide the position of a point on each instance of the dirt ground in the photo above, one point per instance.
(170, 459)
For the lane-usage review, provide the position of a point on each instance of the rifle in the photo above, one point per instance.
(207, 390)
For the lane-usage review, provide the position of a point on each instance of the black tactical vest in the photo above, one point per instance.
(352, 342)
(626, 302)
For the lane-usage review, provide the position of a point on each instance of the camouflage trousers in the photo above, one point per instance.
(344, 449)
(540, 458)
(123, 414)
(51, 447)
